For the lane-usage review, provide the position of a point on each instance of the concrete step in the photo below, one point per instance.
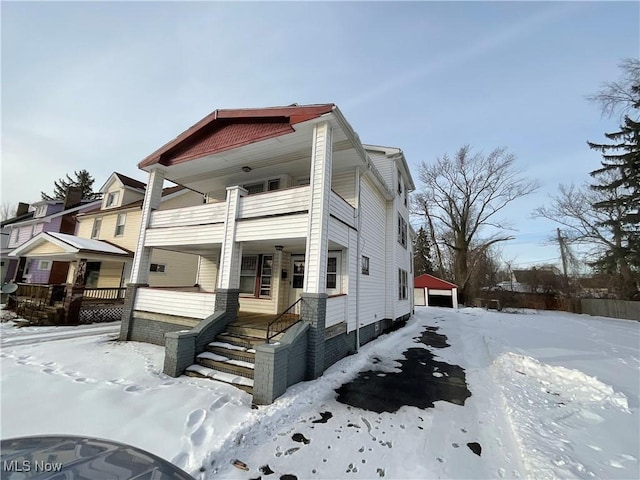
(247, 331)
(225, 364)
(241, 340)
(233, 352)
(237, 381)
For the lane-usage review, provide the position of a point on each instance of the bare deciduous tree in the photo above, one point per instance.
(7, 210)
(601, 228)
(463, 194)
(621, 96)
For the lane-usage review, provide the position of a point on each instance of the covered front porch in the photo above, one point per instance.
(90, 290)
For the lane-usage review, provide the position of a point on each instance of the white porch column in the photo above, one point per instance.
(152, 197)
(315, 280)
(231, 252)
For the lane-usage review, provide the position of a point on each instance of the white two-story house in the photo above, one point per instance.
(304, 235)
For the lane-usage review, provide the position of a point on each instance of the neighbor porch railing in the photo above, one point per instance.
(285, 320)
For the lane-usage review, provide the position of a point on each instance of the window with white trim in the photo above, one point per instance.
(44, 265)
(399, 183)
(403, 280)
(266, 270)
(95, 231)
(332, 272)
(112, 199)
(263, 186)
(402, 231)
(122, 218)
(248, 272)
(365, 265)
(157, 268)
(33, 230)
(16, 234)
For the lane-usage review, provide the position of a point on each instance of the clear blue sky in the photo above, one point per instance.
(101, 85)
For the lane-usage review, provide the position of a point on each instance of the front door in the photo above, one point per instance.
(297, 278)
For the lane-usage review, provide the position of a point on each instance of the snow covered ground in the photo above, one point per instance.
(553, 395)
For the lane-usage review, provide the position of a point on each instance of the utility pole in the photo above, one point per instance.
(563, 254)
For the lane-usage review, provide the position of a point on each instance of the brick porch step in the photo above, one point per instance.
(231, 351)
(241, 340)
(225, 364)
(238, 381)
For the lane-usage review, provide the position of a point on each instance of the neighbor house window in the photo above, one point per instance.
(265, 275)
(41, 210)
(112, 199)
(122, 217)
(402, 231)
(402, 284)
(33, 231)
(365, 265)
(95, 231)
(248, 271)
(44, 265)
(157, 268)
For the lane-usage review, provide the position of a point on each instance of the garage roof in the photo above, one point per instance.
(429, 281)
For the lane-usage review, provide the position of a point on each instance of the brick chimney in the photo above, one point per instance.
(22, 209)
(73, 198)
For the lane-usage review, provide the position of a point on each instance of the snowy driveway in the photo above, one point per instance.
(553, 395)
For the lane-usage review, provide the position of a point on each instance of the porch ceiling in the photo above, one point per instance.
(290, 154)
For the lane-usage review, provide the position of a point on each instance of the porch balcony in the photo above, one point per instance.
(273, 215)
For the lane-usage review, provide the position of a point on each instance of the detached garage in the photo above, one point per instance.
(435, 292)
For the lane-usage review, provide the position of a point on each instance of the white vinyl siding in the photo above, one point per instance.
(171, 302)
(372, 241)
(343, 184)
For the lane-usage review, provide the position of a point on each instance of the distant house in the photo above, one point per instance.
(435, 292)
(305, 236)
(106, 236)
(537, 280)
(29, 222)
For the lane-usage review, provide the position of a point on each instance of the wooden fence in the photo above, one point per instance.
(602, 307)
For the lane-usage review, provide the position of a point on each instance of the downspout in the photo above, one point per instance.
(360, 172)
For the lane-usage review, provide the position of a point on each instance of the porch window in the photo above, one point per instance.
(95, 232)
(298, 274)
(274, 184)
(248, 271)
(266, 275)
(157, 268)
(44, 265)
(402, 231)
(402, 284)
(254, 188)
(122, 217)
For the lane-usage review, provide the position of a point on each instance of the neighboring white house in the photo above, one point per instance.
(297, 207)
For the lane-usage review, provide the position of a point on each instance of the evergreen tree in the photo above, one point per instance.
(82, 179)
(422, 253)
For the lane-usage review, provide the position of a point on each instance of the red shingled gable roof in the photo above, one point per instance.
(226, 129)
(429, 281)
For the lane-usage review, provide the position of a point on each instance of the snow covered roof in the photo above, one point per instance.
(429, 281)
(69, 245)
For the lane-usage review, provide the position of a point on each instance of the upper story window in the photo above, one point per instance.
(399, 183)
(406, 200)
(402, 231)
(122, 217)
(41, 211)
(33, 231)
(16, 234)
(365, 265)
(95, 231)
(112, 199)
(157, 268)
